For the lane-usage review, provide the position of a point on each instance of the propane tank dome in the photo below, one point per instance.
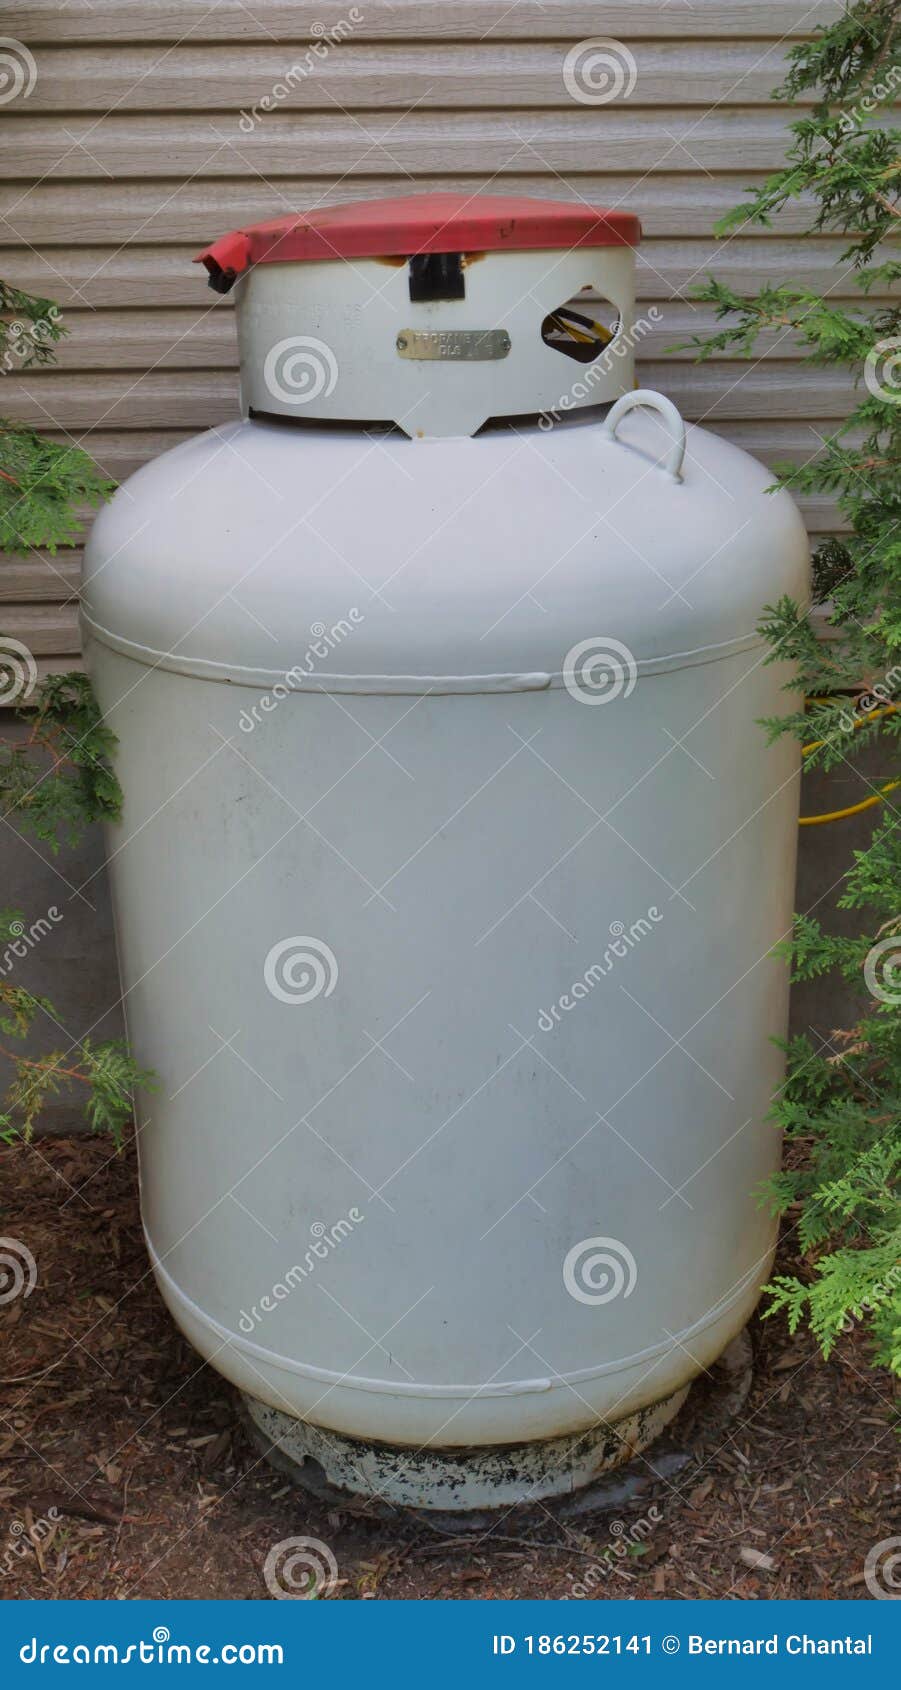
(434, 312)
(410, 553)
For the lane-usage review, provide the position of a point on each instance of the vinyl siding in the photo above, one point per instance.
(127, 156)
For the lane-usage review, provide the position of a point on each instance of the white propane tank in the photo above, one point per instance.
(452, 853)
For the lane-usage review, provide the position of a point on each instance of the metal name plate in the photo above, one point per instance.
(466, 345)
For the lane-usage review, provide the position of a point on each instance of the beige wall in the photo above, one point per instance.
(128, 155)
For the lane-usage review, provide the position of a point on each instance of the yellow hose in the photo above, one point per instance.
(560, 321)
(866, 803)
(852, 810)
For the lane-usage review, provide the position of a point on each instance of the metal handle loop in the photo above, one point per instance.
(672, 464)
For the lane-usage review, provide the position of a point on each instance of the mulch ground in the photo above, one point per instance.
(125, 1472)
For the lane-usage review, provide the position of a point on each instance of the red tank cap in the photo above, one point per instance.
(417, 223)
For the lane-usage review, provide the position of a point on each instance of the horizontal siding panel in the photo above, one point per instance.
(668, 268)
(172, 212)
(63, 663)
(490, 143)
(43, 21)
(776, 440)
(821, 516)
(47, 630)
(126, 401)
(211, 396)
(39, 576)
(206, 338)
(142, 340)
(363, 78)
(133, 276)
(119, 455)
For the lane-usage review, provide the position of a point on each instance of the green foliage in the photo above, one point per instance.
(42, 486)
(841, 1106)
(840, 155)
(62, 778)
(55, 802)
(29, 328)
(106, 1071)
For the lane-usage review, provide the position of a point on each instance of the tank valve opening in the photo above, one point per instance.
(579, 335)
(436, 275)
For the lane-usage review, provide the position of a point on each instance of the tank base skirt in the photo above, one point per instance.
(455, 1480)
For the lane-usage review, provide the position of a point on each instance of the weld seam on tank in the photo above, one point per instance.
(388, 1387)
(206, 669)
